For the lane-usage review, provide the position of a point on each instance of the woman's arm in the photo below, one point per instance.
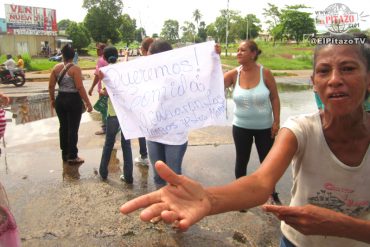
(230, 78)
(52, 83)
(275, 100)
(257, 187)
(185, 202)
(314, 220)
(77, 77)
(95, 82)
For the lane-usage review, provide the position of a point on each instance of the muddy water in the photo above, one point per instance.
(56, 204)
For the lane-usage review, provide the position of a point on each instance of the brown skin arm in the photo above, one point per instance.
(275, 100)
(257, 187)
(314, 220)
(52, 84)
(185, 202)
(76, 74)
(95, 82)
(230, 78)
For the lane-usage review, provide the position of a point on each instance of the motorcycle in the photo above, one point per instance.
(18, 78)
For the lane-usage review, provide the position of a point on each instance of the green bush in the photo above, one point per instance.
(27, 60)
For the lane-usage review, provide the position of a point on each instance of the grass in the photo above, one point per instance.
(43, 64)
(278, 57)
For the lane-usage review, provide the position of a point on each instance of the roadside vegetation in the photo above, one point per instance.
(278, 57)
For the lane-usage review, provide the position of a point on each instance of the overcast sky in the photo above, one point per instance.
(151, 14)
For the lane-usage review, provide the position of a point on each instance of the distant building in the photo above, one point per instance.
(265, 36)
(2, 25)
(31, 30)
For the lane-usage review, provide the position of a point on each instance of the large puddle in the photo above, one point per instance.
(31, 119)
(26, 109)
(58, 204)
(295, 98)
(30, 114)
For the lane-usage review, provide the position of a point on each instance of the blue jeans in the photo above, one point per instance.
(284, 242)
(172, 155)
(110, 139)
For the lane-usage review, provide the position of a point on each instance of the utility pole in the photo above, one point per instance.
(247, 28)
(227, 27)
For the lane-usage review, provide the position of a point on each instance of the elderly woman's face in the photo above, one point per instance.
(341, 78)
(244, 53)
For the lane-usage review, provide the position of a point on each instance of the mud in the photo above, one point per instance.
(56, 204)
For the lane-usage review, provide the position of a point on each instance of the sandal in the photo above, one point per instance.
(76, 160)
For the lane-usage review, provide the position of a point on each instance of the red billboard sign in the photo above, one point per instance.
(26, 20)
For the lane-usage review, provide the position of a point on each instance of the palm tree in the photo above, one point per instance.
(197, 16)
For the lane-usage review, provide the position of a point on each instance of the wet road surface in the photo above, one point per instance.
(56, 204)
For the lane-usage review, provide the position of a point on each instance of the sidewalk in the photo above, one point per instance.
(38, 76)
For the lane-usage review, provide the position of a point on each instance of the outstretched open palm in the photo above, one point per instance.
(182, 202)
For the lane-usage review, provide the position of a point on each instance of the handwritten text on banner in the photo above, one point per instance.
(169, 92)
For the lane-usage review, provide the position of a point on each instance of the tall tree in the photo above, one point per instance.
(202, 32)
(79, 34)
(140, 34)
(212, 32)
(272, 15)
(197, 17)
(240, 26)
(188, 32)
(297, 23)
(220, 24)
(64, 24)
(102, 19)
(127, 29)
(170, 30)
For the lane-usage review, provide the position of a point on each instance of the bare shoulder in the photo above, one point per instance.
(75, 68)
(232, 73)
(268, 77)
(58, 67)
(267, 73)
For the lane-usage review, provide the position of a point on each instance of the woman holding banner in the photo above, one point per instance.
(257, 108)
(110, 55)
(170, 148)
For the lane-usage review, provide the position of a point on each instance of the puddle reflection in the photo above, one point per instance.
(27, 109)
(71, 172)
(287, 87)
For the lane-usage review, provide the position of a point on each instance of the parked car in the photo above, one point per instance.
(56, 58)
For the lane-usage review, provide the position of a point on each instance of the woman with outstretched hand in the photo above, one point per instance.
(330, 158)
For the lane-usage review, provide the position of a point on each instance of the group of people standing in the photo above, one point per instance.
(256, 118)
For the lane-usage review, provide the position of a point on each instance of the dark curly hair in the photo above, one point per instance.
(159, 46)
(110, 54)
(68, 52)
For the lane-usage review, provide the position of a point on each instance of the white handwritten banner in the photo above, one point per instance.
(168, 92)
